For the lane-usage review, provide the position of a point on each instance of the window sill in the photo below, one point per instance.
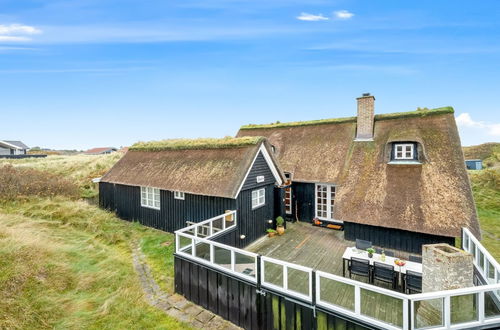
(404, 162)
(151, 207)
(258, 207)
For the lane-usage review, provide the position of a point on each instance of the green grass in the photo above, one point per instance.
(204, 143)
(486, 190)
(489, 153)
(417, 113)
(67, 264)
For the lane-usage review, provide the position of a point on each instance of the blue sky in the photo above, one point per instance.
(85, 73)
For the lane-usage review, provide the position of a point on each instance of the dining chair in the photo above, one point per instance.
(389, 253)
(416, 259)
(384, 273)
(378, 250)
(413, 281)
(359, 267)
(362, 244)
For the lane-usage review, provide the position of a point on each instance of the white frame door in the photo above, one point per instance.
(324, 200)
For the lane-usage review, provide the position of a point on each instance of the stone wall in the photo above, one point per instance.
(446, 268)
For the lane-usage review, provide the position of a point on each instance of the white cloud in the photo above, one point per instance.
(343, 14)
(17, 32)
(465, 120)
(312, 17)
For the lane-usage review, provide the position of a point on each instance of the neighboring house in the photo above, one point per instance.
(169, 184)
(100, 151)
(12, 148)
(397, 180)
(474, 164)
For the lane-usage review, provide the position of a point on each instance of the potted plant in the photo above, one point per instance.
(271, 232)
(280, 225)
(370, 251)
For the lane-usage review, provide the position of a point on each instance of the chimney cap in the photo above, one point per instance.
(366, 94)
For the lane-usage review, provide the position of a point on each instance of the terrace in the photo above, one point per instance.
(305, 264)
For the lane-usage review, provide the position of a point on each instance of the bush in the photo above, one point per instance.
(16, 182)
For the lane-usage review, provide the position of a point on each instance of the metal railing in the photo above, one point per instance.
(451, 309)
(211, 227)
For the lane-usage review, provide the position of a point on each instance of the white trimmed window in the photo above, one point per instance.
(403, 151)
(258, 198)
(150, 197)
(178, 195)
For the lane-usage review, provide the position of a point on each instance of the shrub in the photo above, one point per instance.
(280, 221)
(16, 182)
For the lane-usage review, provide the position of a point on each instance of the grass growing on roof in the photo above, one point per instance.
(417, 113)
(203, 143)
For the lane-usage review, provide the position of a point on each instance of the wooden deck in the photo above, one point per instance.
(322, 249)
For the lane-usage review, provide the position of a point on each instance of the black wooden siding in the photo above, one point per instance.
(126, 201)
(260, 167)
(303, 201)
(393, 238)
(238, 301)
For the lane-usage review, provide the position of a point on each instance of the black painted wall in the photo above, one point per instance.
(259, 167)
(174, 213)
(392, 238)
(238, 301)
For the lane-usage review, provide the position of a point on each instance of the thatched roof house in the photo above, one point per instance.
(193, 180)
(428, 192)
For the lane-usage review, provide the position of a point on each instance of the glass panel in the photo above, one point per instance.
(217, 225)
(222, 257)
(273, 273)
(428, 313)
(473, 249)
(185, 242)
(337, 293)
(298, 281)
(463, 308)
(491, 304)
(203, 251)
(244, 264)
(466, 242)
(480, 259)
(229, 220)
(382, 307)
(491, 271)
(203, 230)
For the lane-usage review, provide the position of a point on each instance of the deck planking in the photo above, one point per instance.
(322, 249)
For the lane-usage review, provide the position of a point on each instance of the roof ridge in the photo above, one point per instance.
(386, 116)
(197, 144)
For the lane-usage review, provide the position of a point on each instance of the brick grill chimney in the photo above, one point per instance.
(366, 114)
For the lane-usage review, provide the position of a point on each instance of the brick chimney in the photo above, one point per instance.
(366, 114)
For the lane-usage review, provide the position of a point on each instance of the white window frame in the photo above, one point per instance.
(179, 195)
(258, 198)
(150, 198)
(405, 149)
(331, 190)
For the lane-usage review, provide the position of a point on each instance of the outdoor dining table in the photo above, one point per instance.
(361, 254)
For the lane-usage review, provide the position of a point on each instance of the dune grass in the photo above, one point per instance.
(486, 189)
(80, 169)
(67, 264)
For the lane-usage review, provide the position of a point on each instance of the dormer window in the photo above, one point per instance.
(404, 151)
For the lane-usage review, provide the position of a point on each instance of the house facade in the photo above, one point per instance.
(397, 180)
(8, 148)
(170, 184)
(100, 151)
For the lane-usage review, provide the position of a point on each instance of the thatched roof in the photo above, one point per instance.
(434, 197)
(211, 167)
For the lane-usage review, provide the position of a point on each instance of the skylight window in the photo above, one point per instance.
(404, 151)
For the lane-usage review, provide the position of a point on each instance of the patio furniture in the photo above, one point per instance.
(389, 253)
(384, 273)
(412, 281)
(362, 244)
(416, 259)
(359, 267)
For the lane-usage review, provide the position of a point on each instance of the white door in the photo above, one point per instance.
(325, 200)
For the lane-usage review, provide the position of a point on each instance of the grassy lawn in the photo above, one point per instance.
(67, 264)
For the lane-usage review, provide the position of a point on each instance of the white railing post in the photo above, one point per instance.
(357, 300)
(212, 253)
(177, 242)
(233, 266)
(447, 312)
(405, 315)
(223, 222)
(211, 228)
(193, 247)
(480, 296)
